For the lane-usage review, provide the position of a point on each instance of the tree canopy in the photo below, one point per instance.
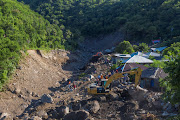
(21, 29)
(124, 47)
(140, 20)
(143, 47)
(173, 50)
(172, 82)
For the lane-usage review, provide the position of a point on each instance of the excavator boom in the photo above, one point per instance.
(120, 75)
(104, 89)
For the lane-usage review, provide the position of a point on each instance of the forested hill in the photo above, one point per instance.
(21, 29)
(141, 20)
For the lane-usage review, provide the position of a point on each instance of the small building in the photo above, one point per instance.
(150, 78)
(120, 57)
(160, 49)
(138, 59)
(154, 54)
(140, 54)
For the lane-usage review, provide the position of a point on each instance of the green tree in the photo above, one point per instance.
(143, 47)
(124, 47)
(158, 63)
(172, 82)
(136, 48)
(173, 50)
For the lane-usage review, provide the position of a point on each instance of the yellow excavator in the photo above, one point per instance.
(104, 87)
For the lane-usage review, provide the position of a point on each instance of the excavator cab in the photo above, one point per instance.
(96, 57)
(98, 87)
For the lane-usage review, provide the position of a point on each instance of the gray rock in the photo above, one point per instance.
(42, 114)
(36, 118)
(46, 98)
(25, 116)
(62, 111)
(95, 107)
(77, 115)
(137, 93)
(114, 96)
(141, 111)
(102, 98)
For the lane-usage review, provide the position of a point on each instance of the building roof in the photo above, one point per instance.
(158, 49)
(138, 59)
(130, 66)
(139, 53)
(154, 73)
(153, 54)
(122, 55)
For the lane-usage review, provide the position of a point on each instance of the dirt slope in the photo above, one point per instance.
(41, 73)
(38, 73)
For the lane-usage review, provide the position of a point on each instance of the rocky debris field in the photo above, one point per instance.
(40, 91)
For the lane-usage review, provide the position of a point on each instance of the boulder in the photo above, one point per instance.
(42, 114)
(129, 107)
(102, 98)
(77, 115)
(114, 96)
(137, 93)
(5, 116)
(35, 118)
(76, 106)
(46, 98)
(25, 116)
(125, 94)
(62, 111)
(95, 107)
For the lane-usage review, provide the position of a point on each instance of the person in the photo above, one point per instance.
(69, 84)
(116, 71)
(106, 77)
(74, 86)
(101, 76)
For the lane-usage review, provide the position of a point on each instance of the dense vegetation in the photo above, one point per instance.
(172, 82)
(21, 28)
(124, 47)
(141, 20)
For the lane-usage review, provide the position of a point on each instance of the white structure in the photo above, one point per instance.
(138, 59)
(120, 57)
(140, 54)
(153, 54)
